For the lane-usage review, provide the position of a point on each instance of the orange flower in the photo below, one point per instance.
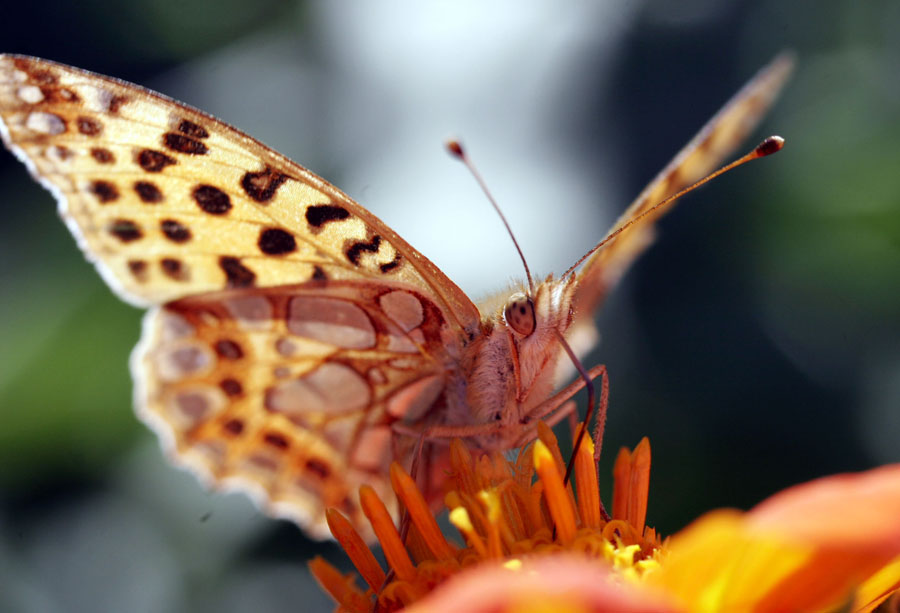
(833, 542)
(537, 545)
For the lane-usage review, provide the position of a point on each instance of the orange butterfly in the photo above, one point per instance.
(295, 344)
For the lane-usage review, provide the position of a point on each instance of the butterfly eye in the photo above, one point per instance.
(519, 314)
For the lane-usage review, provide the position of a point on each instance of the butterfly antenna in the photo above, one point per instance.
(457, 151)
(771, 145)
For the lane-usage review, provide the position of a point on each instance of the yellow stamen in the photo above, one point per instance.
(492, 505)
(558, 501)
(419, 513)
(387, 534)
(513, 564)
(359, 553)
(459, 517)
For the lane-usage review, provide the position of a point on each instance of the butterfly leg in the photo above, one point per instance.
(566, 410)
(438, 433)
(555, 407)
(431, 433)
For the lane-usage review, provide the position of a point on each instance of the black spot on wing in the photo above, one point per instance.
(174, 269)
(228, 349)
(183, 144)
(148, 192)
(236, 274)
(138, 269)
(233, 426)
(102, 155)
(318, 215)
(355, 250)
(105, 191)
(89, 126)
(114, 103)
(389, 266)
(154, 161)
(212, 200)
(232, 387)
(275, 241)
(125, 230)
(189, 128)
(175, 231)
(261, 186)
(318, 467)
(276, 440)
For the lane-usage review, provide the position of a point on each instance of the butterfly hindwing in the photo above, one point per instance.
(290, 393)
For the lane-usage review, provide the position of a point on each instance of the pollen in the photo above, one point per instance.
(506, 512)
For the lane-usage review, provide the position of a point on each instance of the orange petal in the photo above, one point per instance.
(859, 511)
(807, 548)
(387, 534)
(558, 501)
(356, 549)
(621, 483)
(419, 513)
(547, 584)
(713, 566)
(851, 520)
(639, 485)
(461, 463)
(341, 588)
(878, 588)
(546, 436)
(586, 479)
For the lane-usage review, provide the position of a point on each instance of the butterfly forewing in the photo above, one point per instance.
(704, 153)
(170, 202)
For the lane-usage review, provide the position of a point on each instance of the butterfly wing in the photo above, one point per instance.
(168, 201)
(290, 393)
(291, 326)
(703, 154)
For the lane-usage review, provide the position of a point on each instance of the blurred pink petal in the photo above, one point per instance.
(554, 584)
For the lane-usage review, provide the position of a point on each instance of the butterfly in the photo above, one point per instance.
(294, 344)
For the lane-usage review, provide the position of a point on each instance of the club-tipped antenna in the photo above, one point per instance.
(771, 145)
(457, 151)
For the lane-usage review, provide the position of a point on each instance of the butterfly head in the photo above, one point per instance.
(527, 339)
(532, 315)
(519, 314)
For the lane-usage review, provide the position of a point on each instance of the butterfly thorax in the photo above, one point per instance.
(508, 372)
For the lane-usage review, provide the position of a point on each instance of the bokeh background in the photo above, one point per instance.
(757, 343)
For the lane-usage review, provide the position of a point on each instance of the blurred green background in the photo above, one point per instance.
(757, 343)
